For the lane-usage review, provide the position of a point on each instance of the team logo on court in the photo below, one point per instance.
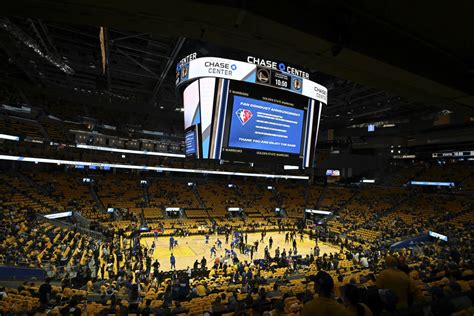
(243, 115)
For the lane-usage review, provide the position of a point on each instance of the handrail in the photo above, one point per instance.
(82, 230)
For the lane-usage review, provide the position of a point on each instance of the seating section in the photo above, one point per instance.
(367, 204)
(197, 213)
(151, 213)
(455, 172)
(168, 193)
(335, 197)
(20, 127)
(366, 221)
(291, 197)
(397, 174)
(314, 192)
(120, 191)
(57, 131)
(218, 197)
(69, 192)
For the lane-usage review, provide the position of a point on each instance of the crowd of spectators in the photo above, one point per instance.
(367, 276)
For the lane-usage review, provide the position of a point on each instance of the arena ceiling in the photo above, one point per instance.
(380, 60)
(138, 63)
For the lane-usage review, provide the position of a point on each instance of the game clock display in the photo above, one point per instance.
(278, 79)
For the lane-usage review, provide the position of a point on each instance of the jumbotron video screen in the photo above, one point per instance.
(257, 115)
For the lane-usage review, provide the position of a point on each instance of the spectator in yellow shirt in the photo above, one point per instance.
(395, 280)
(324, 304)
(201, 290)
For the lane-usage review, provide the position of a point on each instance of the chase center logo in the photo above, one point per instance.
(220, 67)
(244, 115)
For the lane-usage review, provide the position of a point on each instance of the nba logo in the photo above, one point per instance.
(243, 115)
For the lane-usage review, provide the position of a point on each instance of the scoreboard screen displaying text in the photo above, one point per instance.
(267, 126)
(241, 112)
(263, 124)
(190, 143)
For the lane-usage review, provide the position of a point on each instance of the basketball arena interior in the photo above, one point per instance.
(236, 158)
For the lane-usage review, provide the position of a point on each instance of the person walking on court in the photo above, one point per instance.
(213, 251)
(316, 251)
(270, 241)
(172, 262)
(171, 243)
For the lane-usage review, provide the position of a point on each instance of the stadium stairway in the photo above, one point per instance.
(96, 198)
(306, 195)
(32, 183)
(43, 131)
(198, 196)
(163, 211)
(451, 216)
(321, 197)
(145, 196)
(356, 192)
(277, 198)
(81, 219)
(390, 210)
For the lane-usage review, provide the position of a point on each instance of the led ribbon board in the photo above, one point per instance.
(148, 168)
(319, 212)
(241, 71)
(432, 183)
(438, 236)
(9, 137)
(58, 215)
